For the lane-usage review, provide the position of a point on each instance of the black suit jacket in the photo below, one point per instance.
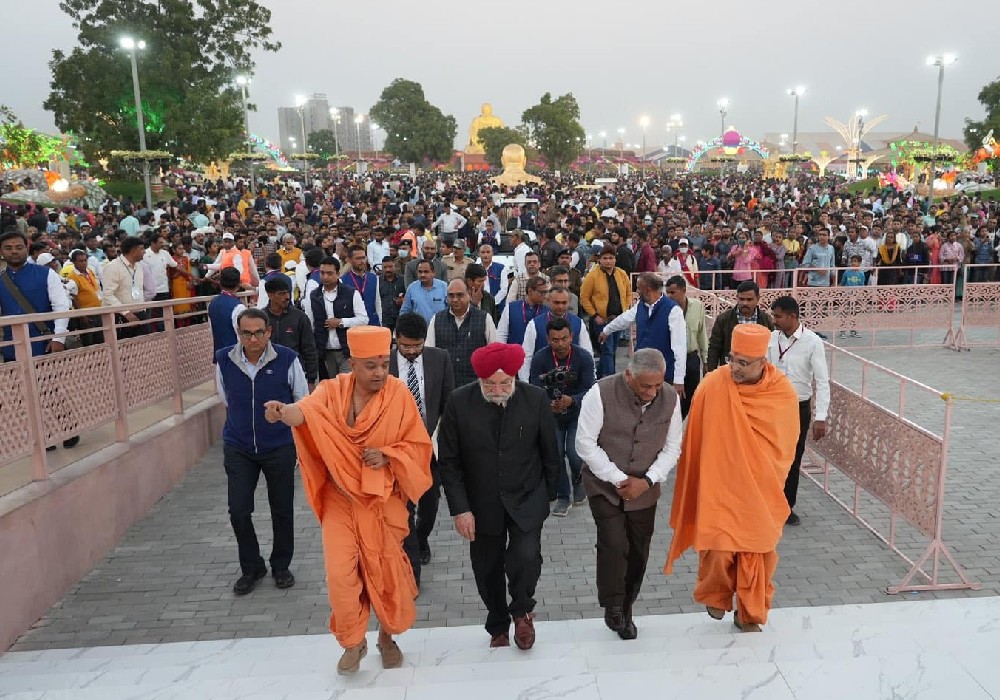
(439, 380)
(496, 461)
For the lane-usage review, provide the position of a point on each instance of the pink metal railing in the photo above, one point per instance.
(980, 305)
(892, 458)
(52, 397)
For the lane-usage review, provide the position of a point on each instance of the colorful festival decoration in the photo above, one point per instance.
(271, 149)
(990, 149)
(732, 143)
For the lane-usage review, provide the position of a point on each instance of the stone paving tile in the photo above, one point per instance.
(170, 577)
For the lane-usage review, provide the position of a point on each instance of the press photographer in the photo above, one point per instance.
(566, 372)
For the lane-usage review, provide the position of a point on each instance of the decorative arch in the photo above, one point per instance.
(269, 149)
(732, 142)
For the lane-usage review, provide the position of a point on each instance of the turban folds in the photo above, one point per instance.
(497, 356)
(368, 341)
(750, 339)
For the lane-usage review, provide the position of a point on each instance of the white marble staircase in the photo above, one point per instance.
(907, 650)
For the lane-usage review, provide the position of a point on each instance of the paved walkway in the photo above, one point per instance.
(170, 578)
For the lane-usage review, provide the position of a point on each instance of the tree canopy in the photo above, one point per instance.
(495, 138)
(417, 130)
(975, 131)
(323, 143)
(554, 129)
(194, 50)
(21, 147)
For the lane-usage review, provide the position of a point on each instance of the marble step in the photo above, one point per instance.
(907, 649)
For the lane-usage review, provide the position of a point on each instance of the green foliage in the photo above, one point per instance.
(194, 49)
(417, 130)
(975, 131)
(495, 138)
(862, 186)
(553, 127)
(134, 189)
(323, 142)
(21, 147)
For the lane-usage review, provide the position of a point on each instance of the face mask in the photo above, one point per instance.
(404, 253)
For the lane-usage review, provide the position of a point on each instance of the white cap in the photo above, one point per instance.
(682, 242)
(228, 237)
(45, 259)
(204, 229)
(609, 214)
(290, 265)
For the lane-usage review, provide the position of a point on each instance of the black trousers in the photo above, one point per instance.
(243, 470)
(792, 481)
(427, 508)
(515, 555)
(623, 539)
(158, 312)
(692, 378)
(411, 545)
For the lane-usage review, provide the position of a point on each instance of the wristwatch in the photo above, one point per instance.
(645, 477)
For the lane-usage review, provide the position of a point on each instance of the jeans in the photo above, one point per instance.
(606, 362)
(566, 443)
(243, 470)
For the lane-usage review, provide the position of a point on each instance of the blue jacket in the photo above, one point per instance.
(220, 316)
(519, 315)
(368, 291)
(32, 281)
(541, 322)
(652, 330)
(246, 427)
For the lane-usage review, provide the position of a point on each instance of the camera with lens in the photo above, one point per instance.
(557, 380)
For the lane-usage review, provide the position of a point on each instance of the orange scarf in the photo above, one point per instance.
(740, 442)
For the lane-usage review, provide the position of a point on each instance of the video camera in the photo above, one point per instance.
(556, 380)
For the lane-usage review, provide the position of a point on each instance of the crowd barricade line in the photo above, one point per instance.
(56, 396)
(980, 306)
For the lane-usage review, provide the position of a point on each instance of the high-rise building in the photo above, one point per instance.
(313, 115)
(348, 132)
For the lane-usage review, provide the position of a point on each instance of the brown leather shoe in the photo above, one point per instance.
(500, 640)
(745, 626)
(392, 657)
(524, 631)
(350, 661)
(715, 613)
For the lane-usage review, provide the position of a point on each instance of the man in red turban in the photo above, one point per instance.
(500, 467)
(364, 453)
(729, 500)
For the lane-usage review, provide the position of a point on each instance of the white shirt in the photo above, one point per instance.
(802, 358)
(360, 315)
(158, 263)
(678, 335)
(589, 426)
(449, 222)
(491, 329)
(520, 251)
(418, 367)
(377, 251)
(531, 338)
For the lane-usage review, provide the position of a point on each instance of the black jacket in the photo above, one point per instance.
(496, 461)
(292, 330)
(439, 381)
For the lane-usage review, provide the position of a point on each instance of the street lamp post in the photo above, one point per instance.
(675, 123)
(131, 45)
(335, 116)
(796, 92)
(244, 82)
(940, 62)
(861, 114)
(357, 127)
(590, 152)
(373, 128)
(621, 133)
(300, 103)
(643, 122)
(723, 111)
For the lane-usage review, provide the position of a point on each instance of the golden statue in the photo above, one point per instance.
(485, 120)
(514, 160)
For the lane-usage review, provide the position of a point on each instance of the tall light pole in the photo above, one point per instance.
(796, 92)
(373, 129)
(335, 117)
(300, 103)
(357, 127)
(860, 114)
(723, 111)
(644, 123)
(940, 61)
(621, 134)
(590, 151)
(244, 82)
(131, 45)
(677, 139)
(675, 123)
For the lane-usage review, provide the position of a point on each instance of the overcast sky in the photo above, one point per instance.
(620, 59)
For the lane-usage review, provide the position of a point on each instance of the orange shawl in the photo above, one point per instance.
(327, 446)
(738, 448)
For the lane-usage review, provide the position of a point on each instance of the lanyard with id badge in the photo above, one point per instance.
(136, 291)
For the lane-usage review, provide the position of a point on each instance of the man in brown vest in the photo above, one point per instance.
(629, 437)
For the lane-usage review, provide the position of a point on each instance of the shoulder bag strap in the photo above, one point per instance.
(25, 305)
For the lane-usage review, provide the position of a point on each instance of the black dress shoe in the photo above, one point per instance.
(793, 519)
(284, 579)
(614, 618)
(628, 630)
(72, 442)
(425, 554)
(247, 582)
(50, 448)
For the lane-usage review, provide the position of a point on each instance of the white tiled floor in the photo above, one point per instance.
(909, 650)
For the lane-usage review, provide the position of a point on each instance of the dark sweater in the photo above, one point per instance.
(292, 330)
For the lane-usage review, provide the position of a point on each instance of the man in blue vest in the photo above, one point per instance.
(333, 308)
(248, 375)
(518, 314)
(272, 271)
(659, 323)
(536, 335)
(365, 282)
(224, 309)
(497, 275)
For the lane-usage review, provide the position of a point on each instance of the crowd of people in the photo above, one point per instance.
(385, 310)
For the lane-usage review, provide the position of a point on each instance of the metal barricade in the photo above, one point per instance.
(980, 306)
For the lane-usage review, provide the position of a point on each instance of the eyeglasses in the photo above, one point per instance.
(256, 335)
(742, 364)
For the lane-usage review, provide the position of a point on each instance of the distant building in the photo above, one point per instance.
(315, 116)
(348, 131)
